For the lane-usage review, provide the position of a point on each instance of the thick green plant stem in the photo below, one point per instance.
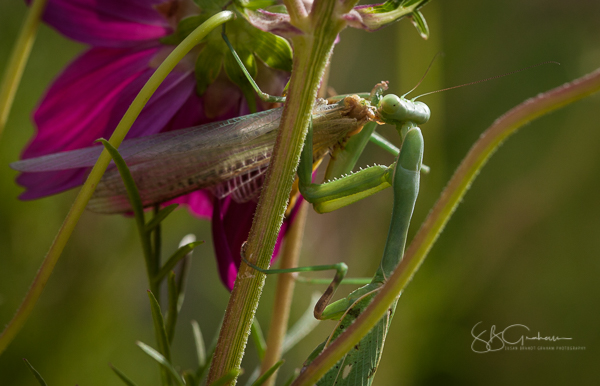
(311, 53)
(88, 188)
(502, 128)
(18, 59)
(283, 294)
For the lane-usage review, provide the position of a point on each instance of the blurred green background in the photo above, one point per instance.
(523, 248)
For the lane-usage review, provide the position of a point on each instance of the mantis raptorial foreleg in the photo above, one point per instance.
(346, 189)
(360, 364)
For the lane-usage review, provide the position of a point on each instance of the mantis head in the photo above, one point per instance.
(394, 109)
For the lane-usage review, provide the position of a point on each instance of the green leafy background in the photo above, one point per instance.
(522, 248)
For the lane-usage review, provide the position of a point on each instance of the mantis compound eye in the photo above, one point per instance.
(392, 107)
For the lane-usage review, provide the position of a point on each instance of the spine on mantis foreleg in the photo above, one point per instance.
(405, 183)
(359, 365)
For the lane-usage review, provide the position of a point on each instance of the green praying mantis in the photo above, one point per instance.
(359, 365)
(231, 157)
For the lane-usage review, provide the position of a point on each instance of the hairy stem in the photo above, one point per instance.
(311, 53)
(284, 294)
(88, 188)
(18, 59)
(502, 128)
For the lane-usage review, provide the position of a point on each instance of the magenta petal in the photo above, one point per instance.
(107, 23)
(226, 258)
(76, 109)
(231, 225)
(199, 203)
(87, 101)
(48, 183)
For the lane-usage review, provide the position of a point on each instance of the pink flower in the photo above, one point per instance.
(90, 96)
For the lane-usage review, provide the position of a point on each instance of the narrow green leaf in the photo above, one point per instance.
(259, 339)
(184, 270)
(35, 373)
(379, 15)
(263, 378)
(208, 66)
(303, 326)
(253, 5)
(211, 352)
(172, 312)
(190, 378)
(132, 190)
(174, 259)
(410, 3)
(199, 342)
(273, 50)
(230, 376)
(123, 377)
(162, 361)
(159, 217)
(292, 377)
(420, 24)
(159, 327)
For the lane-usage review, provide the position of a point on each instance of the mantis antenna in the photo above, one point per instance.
(424, 75)
(485, 80)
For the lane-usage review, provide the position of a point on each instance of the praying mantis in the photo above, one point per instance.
(230, 158)
(359, 365)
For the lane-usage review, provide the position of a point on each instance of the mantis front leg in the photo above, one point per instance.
(360, 364)
(338, 193)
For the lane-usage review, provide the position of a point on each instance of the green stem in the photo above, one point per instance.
(296, 10)
(311, 53)
(153, 261)
(18, 60)
(443, 209)
(88, 188)
(284, 294)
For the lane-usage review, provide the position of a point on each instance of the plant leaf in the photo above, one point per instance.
(263, 378)
(230, 376)
(199, 342)
(305, 324)
(420, 24)
(174, 259)
(36, 374)
(258, 338)
(273, 50)
(376, 16)
(122, 376)
(208, 66)
(132, 190)
(159, 324)
(159, 217)
(172, 313)
(162, 361)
